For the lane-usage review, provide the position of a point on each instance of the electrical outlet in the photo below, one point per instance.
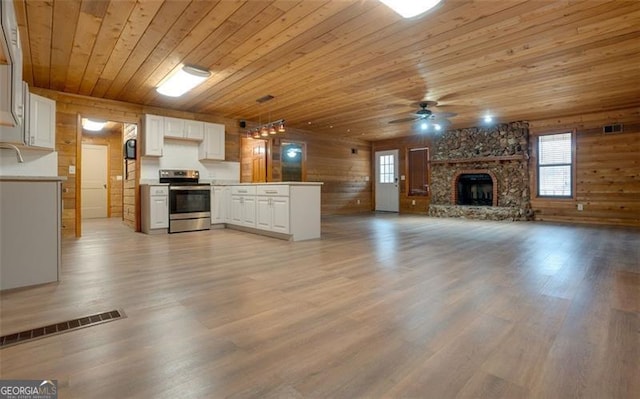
(358, 202)
(580, 207)
(413, 202)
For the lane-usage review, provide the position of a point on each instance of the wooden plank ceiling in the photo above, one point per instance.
(344, 67)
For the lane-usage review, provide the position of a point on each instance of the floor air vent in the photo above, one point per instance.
(59, 328)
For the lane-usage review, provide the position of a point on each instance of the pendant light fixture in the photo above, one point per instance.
(270, 128)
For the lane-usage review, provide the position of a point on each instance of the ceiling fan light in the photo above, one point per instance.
(424, 126)
(93, 125)
(410, 8)
(437, 126)
(185, 79)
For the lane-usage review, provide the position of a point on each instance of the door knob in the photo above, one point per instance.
(105, 186)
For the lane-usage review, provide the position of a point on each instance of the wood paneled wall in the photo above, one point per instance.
(331, 161)
(113, 139)
(130, 186)
(403, 145)
(69, 106)
(607, 170)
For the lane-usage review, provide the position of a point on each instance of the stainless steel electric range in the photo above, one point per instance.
(189, 200)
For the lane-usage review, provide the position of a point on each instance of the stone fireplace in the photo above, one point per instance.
(481, 173)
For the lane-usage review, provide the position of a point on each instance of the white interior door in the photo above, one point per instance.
(94, 181)
(387, 190)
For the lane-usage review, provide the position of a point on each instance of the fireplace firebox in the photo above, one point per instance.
(475, 189)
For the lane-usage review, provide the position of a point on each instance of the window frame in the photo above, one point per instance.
(572, 166)
(427, 171)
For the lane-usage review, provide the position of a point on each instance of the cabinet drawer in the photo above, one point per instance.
(159, 190)
(243, 190)
(281, 190)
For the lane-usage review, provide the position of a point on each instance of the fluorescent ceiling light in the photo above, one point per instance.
(182, 81)
(410, 8)
(93, 125)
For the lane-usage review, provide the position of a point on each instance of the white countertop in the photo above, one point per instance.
(33, 178)
(275, 183)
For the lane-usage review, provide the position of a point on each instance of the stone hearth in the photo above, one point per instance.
(501, 153)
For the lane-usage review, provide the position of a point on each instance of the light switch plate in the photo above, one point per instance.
(72, 169)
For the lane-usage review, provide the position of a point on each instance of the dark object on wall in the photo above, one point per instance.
(243, 124)
(130, 149)
(615, 128)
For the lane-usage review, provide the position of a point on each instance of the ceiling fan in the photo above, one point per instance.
(425, 117)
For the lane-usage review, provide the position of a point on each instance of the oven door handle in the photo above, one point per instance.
(189, 188)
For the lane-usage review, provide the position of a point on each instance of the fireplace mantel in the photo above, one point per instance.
(484, 159)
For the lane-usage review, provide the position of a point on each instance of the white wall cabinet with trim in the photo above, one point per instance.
(40, 128)
(11, 102)
(183, 129)
(154, 209)
(153, 137)
(212, 146)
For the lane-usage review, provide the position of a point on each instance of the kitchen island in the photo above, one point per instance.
(285, 210)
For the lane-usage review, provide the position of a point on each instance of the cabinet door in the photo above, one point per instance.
(218, 209)
(174, 128)
(280, 212)
(212, 146)
(153, 140)
(42, 122)
(194, 130)
(249, 211)
(15, 134)
(159, 212)
(263, 213)
(6, 97)
(235, 214)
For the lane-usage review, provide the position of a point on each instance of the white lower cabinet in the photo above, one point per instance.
(219, 204)
(243, 206)
(273, 208)
(155, 209)
(287, 210)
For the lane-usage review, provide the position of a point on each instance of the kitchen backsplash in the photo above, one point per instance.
(184, 155)
(36, 163)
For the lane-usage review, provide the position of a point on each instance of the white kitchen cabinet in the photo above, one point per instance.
(183, 129)
(212, 145)
(243, 206)
(30, 224)
(41, 124)
(219, 204)
(11, 102)
(153, 138)
(154, 209)
(273, 208)
(16, 134)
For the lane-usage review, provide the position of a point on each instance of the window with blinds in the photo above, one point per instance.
(555, 165)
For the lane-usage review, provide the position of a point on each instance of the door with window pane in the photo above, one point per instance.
(387, 190)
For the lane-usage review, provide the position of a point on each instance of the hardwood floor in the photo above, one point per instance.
(383, 306)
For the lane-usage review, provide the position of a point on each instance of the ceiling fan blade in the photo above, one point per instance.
(444, 115)
(403, 120)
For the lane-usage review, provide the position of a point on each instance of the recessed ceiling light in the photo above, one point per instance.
(410, 8)
(185, 79)
(93, 125)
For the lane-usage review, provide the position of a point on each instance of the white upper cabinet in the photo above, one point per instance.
(212, 146)
(176, 128)
(152, 138)
(40, 128)
(11, 101)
